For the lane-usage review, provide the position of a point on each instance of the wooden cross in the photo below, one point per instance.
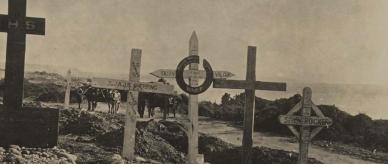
(134, 86)
(193, 74)
(17, 25)
(305, 121)
(250, 85)
(192, 133)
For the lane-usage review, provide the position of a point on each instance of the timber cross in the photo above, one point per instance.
(250, 85)
(32, 127)
(134, 86)
(305, 122)
(17, 25)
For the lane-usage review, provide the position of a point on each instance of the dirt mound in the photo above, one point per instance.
(85, 123)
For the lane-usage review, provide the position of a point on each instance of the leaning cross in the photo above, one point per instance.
(305, 122)
(250, 85)
(134, 87)
(17, 25)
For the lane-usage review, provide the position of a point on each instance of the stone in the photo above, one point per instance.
(14, 151)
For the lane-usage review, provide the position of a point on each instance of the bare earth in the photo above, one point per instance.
(232, 134)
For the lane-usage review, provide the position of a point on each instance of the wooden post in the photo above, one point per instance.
(68, 86)
(193, 105)
(14, 64)
(305, 121)
(130, 115)
(17, 25)
(304, 139)
(249, 112)
(250, 85)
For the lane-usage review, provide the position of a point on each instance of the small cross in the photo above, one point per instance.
(17, 25)
(250, 85)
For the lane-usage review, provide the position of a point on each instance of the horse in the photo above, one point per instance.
(94, 95)
(153, 100)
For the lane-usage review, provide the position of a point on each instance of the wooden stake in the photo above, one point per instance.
(193, 106)
(68, 86)
(249, 112)
(130, 115)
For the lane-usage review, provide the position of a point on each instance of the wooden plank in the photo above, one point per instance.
(193, 106)
(68, 87)
(249, 111)
(305, 120)
(15, 57)
(153, 87)
(35, 26)
(258, 85)
(130, 115)
(201, 74)
(270, 86)
(232, 84)
(304, 140)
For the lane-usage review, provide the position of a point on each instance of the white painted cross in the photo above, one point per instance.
(250, 85)
(305, 121)
(134, 87)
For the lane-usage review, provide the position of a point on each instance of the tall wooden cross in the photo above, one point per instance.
(17, 25)
(193, 105)
(134, 86)
(250, 85)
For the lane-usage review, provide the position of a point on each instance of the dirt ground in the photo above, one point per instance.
(233, 134)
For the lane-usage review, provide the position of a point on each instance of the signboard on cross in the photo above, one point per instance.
(305, 122)
(134, 86)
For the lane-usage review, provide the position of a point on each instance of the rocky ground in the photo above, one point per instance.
(97, 138)
(16, 154)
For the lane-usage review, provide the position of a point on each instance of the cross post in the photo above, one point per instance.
(17, 25)
(250, 85)
(306, 122)
(68, 87)
(193, 105)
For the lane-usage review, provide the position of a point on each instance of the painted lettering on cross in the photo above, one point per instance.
(31, 25)
(201, 74)
(153, 87)
(305, 120)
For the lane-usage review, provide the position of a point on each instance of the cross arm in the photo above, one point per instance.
(32, 25)
(240, 84)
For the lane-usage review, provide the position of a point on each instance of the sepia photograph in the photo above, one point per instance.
(193, 82)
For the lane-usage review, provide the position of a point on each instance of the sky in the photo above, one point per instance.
(327, 41)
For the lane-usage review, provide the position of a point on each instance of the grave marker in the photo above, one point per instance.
(193, 105)
(250, 85)
(305, 121)
(134, 86)
(68, 87)
(30, 127)
(17, 25)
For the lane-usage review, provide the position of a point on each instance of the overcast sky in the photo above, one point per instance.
(301, 40)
